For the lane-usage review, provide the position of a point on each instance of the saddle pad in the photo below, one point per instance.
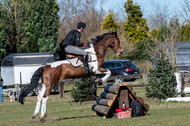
(75, 62)
(57, 63)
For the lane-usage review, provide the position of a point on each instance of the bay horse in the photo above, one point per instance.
(50, 75)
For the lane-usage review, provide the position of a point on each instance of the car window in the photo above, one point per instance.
(119, 65)
(8, 62)
(129, 64)
(109, 65)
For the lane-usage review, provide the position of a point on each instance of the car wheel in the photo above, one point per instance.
(119, 79)
(37, 90)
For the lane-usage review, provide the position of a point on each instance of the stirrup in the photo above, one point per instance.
(87, 71)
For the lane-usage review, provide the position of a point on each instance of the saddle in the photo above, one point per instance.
(75, 60)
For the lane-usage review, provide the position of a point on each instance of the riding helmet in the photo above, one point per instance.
(81, 25)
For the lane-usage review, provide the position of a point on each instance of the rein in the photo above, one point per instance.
(110, 44)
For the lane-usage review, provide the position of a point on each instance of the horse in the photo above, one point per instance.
(50, 74)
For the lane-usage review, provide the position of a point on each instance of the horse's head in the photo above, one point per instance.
(102, 42)
(114, 44)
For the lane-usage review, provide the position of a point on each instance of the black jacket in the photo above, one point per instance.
(72, 38)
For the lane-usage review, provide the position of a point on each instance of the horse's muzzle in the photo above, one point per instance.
(118, 53)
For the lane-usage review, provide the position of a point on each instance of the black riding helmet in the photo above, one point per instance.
(81, 25)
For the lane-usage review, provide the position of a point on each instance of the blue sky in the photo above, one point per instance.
(173, 5)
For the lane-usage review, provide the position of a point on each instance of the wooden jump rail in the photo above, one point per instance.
(113, 97)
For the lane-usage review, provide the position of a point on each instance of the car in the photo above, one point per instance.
(122, 70)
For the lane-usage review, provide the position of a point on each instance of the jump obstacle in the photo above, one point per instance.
(113, 97)
(181, 89)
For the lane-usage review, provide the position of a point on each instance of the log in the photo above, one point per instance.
(116, 84)
(124, 98)
(107, 95)
(112, 89)
(130, 88)
(104, 102)
(131, 96)
(146, 107)
(101, 109)
(141, 100)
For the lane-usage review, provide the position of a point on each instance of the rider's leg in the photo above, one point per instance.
(78, 51)
(85, 61)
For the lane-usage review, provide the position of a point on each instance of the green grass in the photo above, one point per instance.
(62, 112)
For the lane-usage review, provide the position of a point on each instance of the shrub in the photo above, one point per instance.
(84, 90)
(161, 80)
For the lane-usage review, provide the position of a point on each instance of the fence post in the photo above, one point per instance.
(179, 82)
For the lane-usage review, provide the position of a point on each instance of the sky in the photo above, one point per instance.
(146, 6)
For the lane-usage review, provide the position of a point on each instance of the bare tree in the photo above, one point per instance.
(185, 10)
(158, 15)
(74, 11)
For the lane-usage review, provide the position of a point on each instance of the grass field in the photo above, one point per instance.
(63, 112)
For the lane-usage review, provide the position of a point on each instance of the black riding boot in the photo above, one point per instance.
(85, 62)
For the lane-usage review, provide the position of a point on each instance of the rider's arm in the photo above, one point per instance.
(77, 40)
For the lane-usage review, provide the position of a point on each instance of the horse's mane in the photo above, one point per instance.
(99, 37)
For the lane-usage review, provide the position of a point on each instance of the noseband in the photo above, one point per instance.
(112, 43)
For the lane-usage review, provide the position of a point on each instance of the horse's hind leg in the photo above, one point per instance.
(43, 109)
(39, 99)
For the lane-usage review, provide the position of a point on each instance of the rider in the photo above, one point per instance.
(72, 40)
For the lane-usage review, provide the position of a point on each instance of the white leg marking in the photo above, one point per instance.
(105, 78)
(43, 109)
(39, 99)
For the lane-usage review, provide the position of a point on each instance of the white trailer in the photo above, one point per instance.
(17, 69)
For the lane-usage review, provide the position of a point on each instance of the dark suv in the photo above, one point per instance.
(122, 70)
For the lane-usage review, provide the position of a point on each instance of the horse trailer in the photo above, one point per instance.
(17, 69)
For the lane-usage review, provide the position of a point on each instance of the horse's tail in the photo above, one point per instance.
(33, 84)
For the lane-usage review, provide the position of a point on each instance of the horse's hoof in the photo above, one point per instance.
(34, 115)
(42, 118)
(97, 80)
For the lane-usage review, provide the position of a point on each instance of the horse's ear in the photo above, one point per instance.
(115, 33)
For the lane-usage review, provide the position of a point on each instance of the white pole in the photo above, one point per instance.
(179, 82)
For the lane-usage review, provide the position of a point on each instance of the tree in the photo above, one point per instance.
(12, 13)
(161, 80)
(185, 33)
(135, 27)
(109, 23)
(83, 90)
(42, 25)
(185, 10)
(159, 13)
(143, 51)
(2, 42)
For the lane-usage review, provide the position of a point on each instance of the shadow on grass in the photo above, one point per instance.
(77, 117)
(57, 92)
(59, 119)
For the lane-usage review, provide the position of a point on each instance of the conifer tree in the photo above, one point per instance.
(2, 42)
(135, 27)
(185, 33)
(84, 90)
(161, 80)
(109, 23)
(42, 25)
(12, 21)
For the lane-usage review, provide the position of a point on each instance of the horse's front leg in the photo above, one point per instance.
(104, 71)
(39, 99)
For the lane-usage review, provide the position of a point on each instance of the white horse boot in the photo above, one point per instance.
(43, 109)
